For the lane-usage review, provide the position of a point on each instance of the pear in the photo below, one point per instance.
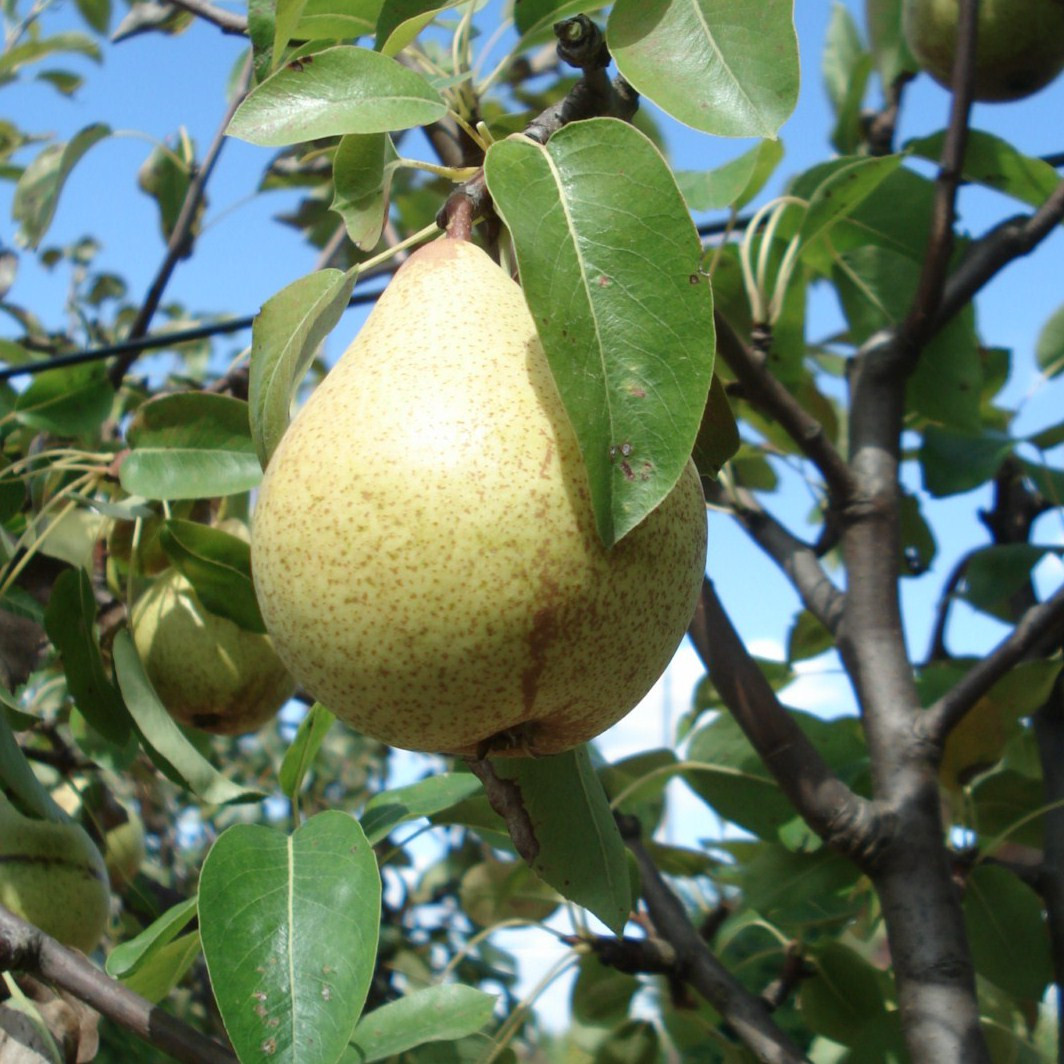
(52, 875)
(1019, 43)
(423, 545)
(208, 672)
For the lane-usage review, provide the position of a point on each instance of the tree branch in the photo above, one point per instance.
(797, 560)
(1033, 628)
(848, 823)
(226, 21)
(177, 247)
(766, 393)
(746, 1013)
(25, 948)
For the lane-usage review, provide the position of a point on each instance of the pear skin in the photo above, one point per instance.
(423, 545)
(1019, 45)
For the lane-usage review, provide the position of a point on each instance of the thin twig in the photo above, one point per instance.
(948, 711)
(177, 247)
(226, 21)
(504, 797)
(25, 948)
(746, 1013)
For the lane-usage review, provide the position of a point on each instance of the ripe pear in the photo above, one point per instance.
(1019, 43)
(208, 672)
(423, 545)
(52, 875)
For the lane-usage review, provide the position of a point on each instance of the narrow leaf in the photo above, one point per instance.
(70, 620)
(19, 780)
(435, 1014)
(128, 956)
(726, 67)
(341, 90)
(362, 176)
(300, 755)
(1050, 347)
(163, 740)
(190, 446)
(284, 339)
(401, 21)
(289, 928)
(735, 183)
(37, 191)
(580, 853)
(624, 315)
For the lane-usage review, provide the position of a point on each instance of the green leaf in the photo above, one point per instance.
(218, 566)
(37, 191)
(642, 779)
(387, 809)
(192, 445)
(289, 927)
(842, 191)
(844, 996)
(362, 177)
(995, 163)
(625, 317)
(73, 401)
(634, 1042)
(20, 782)
(725, 67)
(1007, 932)
(435, 1014)
(165, 968)
(954, 461)
(285, 337)
(735, 183)
(580, 853)
(718, 435)
(601, 995)
(70, 620)
(125, 958)
(341, 90)
(34, 48)
(807, 638)
(163, 740)
(846, 67)
(1049, 349)
(165, 176)
(337, 19)
(305, 746)
(400, 22)
(287, 14)
(496, 892)
(97, 13)
(994, 574)
(891, 52)
(534, 19)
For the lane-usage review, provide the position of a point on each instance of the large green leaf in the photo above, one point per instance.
(285, 337)
(163, 740)
(953, 461)
(609, 262)
(726, 67)
(289, 926)
(218, 566)
(340, 90)
(435, 1014)
(37, 191)
(580, 853)
(70, 621)
(192, 445)
(1007, 932)
(72, 401)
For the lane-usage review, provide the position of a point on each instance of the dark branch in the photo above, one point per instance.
(1034, 627)
(767, 394)
(746, 1013)
(504, 797)
(24, 948)
(848, 823)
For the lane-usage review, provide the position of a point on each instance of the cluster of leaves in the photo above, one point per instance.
(337, 939)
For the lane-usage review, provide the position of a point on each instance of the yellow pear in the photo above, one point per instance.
(1019, 45)
(52, 875)
(423, 545)
(208, 672)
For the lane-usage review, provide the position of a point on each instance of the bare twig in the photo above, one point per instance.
(226, 21)
(505, 798)
(24, 948)
(1039, 621)
(768, 395)
(746, 1013)
(177, 247)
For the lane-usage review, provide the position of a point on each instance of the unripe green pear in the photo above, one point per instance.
(1019, 44)
(124, 850)
(208, 672)
(52, 875)
(424, 549)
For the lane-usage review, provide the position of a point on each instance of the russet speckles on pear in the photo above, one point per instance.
(424, 550)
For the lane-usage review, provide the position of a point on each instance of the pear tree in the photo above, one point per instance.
(667, 323)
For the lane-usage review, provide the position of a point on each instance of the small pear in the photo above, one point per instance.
(52, 875)
(208, 672)
(423, 545)
(1019, 45)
